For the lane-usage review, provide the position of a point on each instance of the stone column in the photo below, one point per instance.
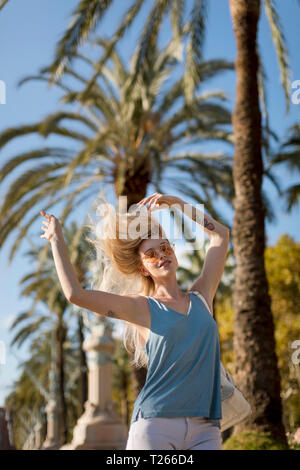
(53, 408)
(5, 441)
(100, 427)
(38, 435)
(29, 443)
(53, 440)
(9, 420)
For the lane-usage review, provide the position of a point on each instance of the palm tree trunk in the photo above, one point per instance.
(61, 333)
(132, 182)
(257, 371)
(134, 186)
(83, 378)
(125, 400)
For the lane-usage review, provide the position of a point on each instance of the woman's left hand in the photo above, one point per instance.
(157, 199)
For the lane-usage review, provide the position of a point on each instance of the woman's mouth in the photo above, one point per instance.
(165, 263)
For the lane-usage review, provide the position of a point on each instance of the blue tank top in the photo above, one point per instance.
(183, 377)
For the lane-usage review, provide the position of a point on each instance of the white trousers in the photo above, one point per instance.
(173, 433)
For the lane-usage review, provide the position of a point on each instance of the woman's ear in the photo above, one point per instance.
(143, 271)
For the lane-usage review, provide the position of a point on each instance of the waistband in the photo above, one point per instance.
(215, 422)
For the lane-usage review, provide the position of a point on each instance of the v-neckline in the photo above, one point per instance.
(182, 314)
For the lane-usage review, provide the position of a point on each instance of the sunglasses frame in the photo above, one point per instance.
(152, 259)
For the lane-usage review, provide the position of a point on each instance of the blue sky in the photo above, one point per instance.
(29, 31)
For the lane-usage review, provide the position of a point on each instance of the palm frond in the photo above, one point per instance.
(177, 10)
(2, 4)
(148, 41)
(268, 174)
(50, 123)
(128, 18)
(13, 218)
(119, 66)
(280, 47)
(291, 159)
(15, 161)
(11, 133)
(43, 79)
(28, 182)
(293, 138)
(23, 230)
(84, 20)
(292, 197)
(194, 48)
(27, 331)
(21, 317)
(270, 215)
(212, 68)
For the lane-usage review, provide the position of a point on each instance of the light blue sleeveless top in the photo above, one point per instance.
(183, 377)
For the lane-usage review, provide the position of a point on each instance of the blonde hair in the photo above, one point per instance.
(117, 252)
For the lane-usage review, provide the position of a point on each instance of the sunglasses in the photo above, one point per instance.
(153, 254)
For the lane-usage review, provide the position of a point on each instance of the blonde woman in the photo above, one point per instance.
(170, 331)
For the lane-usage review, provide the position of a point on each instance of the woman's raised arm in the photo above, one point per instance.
(125, 307)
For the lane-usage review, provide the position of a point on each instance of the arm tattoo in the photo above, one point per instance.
(110, 313)
(208, 225)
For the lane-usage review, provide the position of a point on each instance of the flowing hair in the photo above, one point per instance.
(118, 235)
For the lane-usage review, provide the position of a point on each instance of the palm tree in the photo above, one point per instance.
(128, 137)
(30, 324)
(254, 343)
(82, 255)
(31, 390)
(122, 381)
(43, 287)
(27, 398)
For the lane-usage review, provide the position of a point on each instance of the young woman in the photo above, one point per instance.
(170, 331)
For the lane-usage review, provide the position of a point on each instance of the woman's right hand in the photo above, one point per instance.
(52, 226)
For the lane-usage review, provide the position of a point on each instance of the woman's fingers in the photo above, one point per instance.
(48, 216)
(142, 202)
(49, 225)
(147, 199)
(154, 200)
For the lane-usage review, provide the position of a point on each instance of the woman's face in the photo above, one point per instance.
(157, 257)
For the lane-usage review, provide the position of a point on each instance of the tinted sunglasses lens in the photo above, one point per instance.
(151, 255)
(168, 248)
